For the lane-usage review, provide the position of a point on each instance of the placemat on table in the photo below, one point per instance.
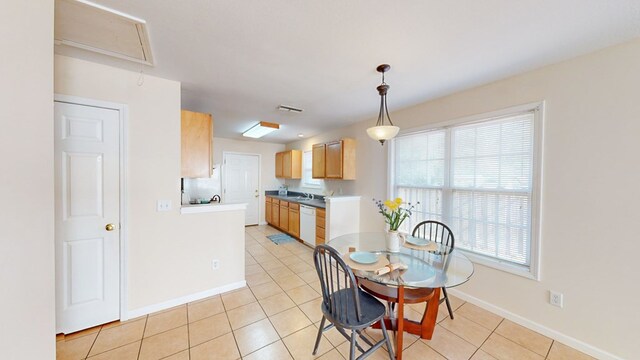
(382, 262)
(431, 246)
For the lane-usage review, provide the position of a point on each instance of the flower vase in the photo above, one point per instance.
(393, 241)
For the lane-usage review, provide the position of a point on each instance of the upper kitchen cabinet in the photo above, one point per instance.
(318, 157)
(197, 144)
(335, 160)
(289, 164)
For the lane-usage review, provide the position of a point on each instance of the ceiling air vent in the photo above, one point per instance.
(93, 27)
(289, 109)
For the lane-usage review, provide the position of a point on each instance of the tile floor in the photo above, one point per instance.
(277, 315)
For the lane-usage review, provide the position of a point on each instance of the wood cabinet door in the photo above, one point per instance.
(284, 218)
(294, 222)
(333, 159)
(318, 163)
(286, 164)
(275, 214)
(279, 157)
(267, 215)
(196, 135)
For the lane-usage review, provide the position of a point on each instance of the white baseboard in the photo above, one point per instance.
(132, 314)
(553, 334)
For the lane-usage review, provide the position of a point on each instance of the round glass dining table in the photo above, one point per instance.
(441, 267)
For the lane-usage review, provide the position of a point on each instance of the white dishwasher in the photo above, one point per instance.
(308, 225)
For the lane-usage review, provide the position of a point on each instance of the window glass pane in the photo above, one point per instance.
(419, 159)
(307, 172)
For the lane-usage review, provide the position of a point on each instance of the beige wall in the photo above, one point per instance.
(169, 254)
(590, 195)
(26, 144)
(268, 180)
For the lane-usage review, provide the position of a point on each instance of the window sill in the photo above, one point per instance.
(525, 272)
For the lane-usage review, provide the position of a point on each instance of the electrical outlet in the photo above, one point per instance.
(555, 298)
(215, 264)
(164, 205)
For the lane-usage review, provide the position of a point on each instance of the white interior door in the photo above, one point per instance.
(242, 183)
(87, 211)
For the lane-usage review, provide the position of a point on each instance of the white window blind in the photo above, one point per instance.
(307, 171)
(478, 179)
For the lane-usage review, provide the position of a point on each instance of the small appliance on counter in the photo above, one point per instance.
(283, 190)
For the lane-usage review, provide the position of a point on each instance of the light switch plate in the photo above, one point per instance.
(164, 205)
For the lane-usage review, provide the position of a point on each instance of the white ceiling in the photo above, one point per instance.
(240, 59)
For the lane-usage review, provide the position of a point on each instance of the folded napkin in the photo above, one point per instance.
(389, 268)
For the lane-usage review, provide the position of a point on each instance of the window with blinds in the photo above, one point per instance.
(478, 178)
(307, 171)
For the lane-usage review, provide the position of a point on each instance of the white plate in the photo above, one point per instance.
(364, 257)
(417, 241)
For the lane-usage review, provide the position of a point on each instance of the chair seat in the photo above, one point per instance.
(388, 293)
(371, 309)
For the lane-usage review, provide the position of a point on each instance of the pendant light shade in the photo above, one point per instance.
(382, 132)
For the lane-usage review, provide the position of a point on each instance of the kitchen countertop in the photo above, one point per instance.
(294, 199)
(211, 207)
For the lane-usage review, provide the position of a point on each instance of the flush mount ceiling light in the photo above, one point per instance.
(261, 129)
(382, 132)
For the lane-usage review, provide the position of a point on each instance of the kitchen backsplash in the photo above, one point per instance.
(204, 188)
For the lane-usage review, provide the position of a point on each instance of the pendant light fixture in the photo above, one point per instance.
(382, 132)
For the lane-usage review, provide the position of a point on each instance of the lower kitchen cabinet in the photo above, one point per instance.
(275, 212)
(284, 216)
(267, 208)
(320, 226)
(294, 219)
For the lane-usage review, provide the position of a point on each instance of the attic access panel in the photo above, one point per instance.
(92, 27)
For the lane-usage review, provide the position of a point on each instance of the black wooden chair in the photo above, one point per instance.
(439, 233)
(345, 305)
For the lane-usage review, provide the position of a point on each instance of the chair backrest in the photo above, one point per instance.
(340, 293)
(435, 231)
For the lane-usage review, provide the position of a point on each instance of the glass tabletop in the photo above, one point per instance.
(443, 267)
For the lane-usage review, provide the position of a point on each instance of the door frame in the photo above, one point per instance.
(224, 176)
(123, 111)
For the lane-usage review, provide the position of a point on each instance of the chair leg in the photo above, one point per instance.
(446, 300)
(320, 329)
(352, 354)
(386, 339)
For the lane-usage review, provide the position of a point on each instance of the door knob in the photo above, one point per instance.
(109, 227)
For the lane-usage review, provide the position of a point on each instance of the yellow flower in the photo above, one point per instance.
(398, 201)
(387, 203)
(391, 205)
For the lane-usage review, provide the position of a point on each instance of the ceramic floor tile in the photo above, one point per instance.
(289, 282)
(455, 302)
(530, 339)
(312, 309)
(481, 355)
(120, 323)
(91, 331)
(208, 328)
(300, 267)
(504, 349)
(280, 272)
(302, 294)
(331, 355)
(272, 264)
(205, 308)
(450, 345)
(164, 344)
(479, 315)
(118, 336)
(466, 329)
(75, 349)
(276, 304)
(237, 298)
(255, 336)
(245, 315)
(309, 276)
(300, 344)
(275, 351)
(420, 351)
(257, 279)
(221, 348)
(252, 269)
(165, 321)
(266, 290)
(561, 351)
(127, 352)
(183, 355)
(288, 260)
(289, 321)
(334, 337)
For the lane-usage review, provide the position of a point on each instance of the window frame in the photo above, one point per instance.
(316, 183)
(533, 270)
